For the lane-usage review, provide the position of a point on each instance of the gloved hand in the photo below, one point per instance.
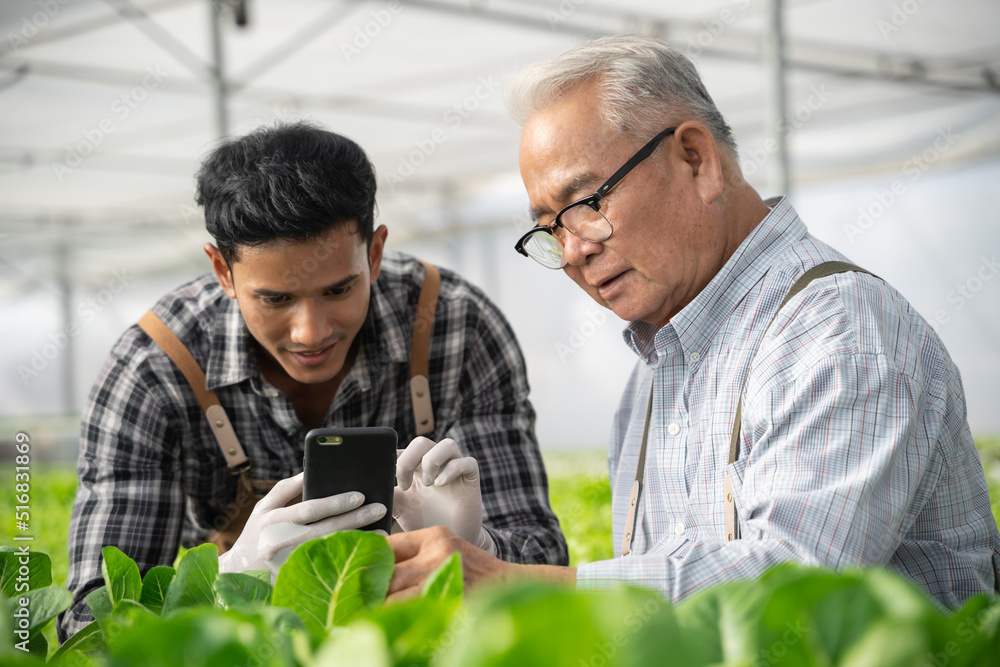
(437, 486)
(273, 530)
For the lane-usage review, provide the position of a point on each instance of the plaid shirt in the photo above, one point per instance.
(854, 451)
(146, 450)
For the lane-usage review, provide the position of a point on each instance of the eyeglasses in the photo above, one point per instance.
(583, 218)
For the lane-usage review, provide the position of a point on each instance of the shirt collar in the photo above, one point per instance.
(388, 326)
(383, 339)
(697, 323)
(231, 356)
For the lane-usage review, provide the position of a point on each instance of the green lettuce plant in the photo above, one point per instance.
(327, 607)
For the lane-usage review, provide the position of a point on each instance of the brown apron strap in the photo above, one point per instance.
(222, 429)
(423, 323)
(633, 501)
(819, 271)
(232, 523)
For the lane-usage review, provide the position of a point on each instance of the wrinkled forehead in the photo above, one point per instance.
(568, 148)
(573, 116)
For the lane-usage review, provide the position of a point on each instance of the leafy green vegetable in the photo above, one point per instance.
(155, 585)
(640, 624)
(818, 615)
(326, 609)
(888, 643)
(121, 576)
(100, 604)
(814, 612)
(45, 604)
(87, 639)
(518, 626)
(263, 575)
(194, 584)
(26, 577)
(717, 623)
(38, 645)
(7, 636)
(39, 571)
(195, 636)
(328, 580)
(77, 659)
(415, 629)
(445, 583)
(25, 659)
(235, 589)
(364, 645)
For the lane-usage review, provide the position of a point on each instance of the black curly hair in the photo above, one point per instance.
(291, 181)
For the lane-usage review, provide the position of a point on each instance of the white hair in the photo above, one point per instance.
(641, 82)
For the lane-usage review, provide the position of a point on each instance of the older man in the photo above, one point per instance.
(828, 430)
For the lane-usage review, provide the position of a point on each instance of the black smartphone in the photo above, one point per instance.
(338, 460)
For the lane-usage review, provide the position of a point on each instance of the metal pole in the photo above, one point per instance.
(65, 318)
(218, 72)
(774, 63)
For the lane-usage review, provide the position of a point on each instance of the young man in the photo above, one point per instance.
(305, 321)
(853, 448)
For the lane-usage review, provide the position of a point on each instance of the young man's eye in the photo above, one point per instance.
(275, 300)
(339, 291)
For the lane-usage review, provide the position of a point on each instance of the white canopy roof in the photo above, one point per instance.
(109, 105)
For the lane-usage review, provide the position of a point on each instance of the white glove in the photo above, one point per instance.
(437, 486)
(273, 530)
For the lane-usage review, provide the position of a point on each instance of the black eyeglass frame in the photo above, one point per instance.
(593, 201)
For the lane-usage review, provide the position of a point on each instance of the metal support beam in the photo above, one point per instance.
(741, 45)
(775, 107)
(219, 72)
(57, 33)
(175, 47)
(291, 45)
(346, 103)
(65, 286)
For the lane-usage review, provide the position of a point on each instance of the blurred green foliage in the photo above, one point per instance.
(582, 501)
(578, 488)
(52, 490)
(326, 608)
(989, 452)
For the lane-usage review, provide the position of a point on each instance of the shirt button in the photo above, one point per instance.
(673, 429)
(694, 357)
(679, 529)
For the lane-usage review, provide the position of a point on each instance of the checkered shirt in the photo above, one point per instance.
(149, 465)
(854, 446)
